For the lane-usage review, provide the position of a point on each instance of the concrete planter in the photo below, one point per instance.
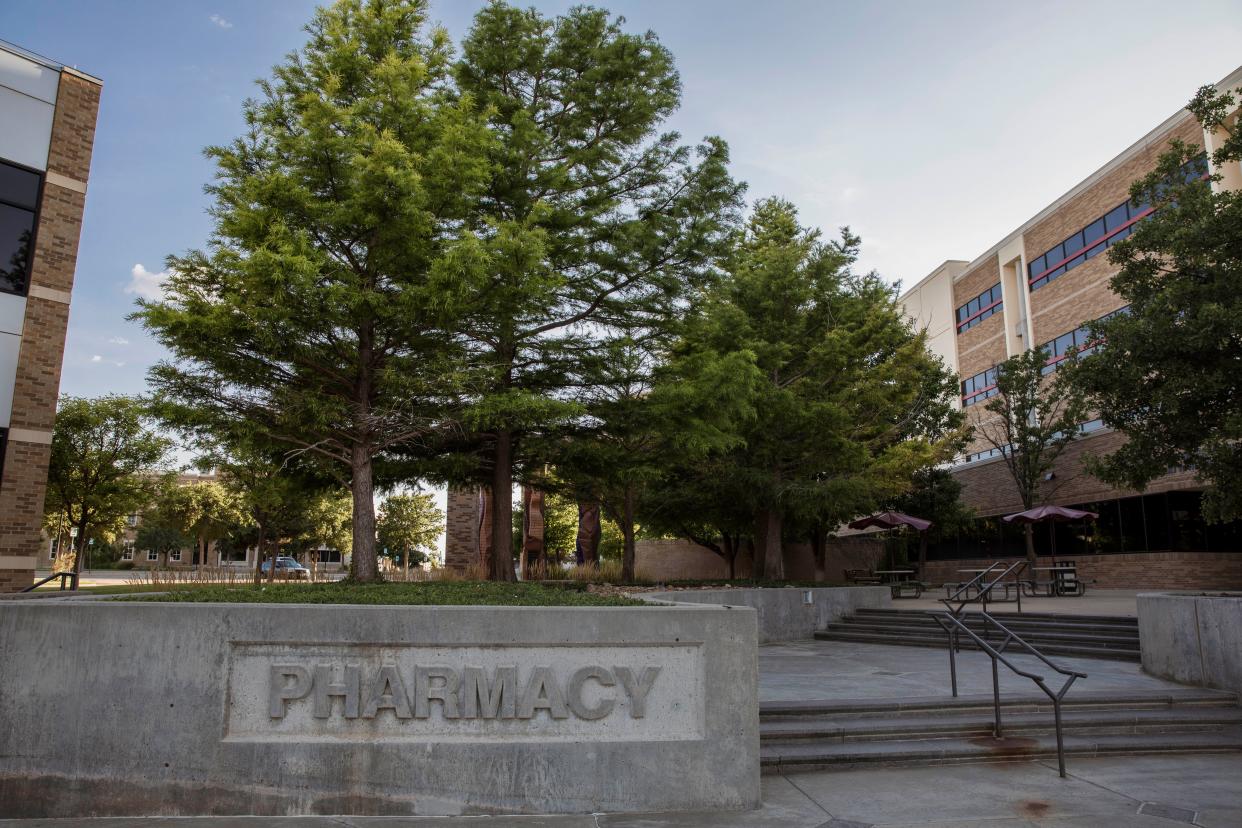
(786, 613)
(1193, 637)
(110, 708)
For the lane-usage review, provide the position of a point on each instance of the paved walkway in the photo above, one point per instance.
(1100, 793)
(812, 670)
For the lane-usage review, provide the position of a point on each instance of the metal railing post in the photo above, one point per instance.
(1056, 712)
(952, 664)
(996, 725)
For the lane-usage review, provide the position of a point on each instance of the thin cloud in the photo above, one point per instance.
(145, 284)
(220, 21)
(96, 358)
(118, 340)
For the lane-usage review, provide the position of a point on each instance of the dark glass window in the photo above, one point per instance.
(1093, 232)
(19, 195)
(1116, 217)
(1073, 244)
(979, 308)
(979, 387)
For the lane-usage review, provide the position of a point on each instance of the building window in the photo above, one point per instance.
(174, 555)
(329, 556)
(152, 555)
(979, 387)
(980, 308)
(1099, 235)
(131, 521)
(19, 201)
(1079, 341)
(127, 551)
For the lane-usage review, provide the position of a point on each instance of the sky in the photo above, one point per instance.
(931, 129)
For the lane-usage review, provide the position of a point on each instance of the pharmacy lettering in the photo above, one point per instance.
(475, 692)
(471, 693)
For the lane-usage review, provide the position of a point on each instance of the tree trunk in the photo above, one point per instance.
(1030, 543)
(922, 554)
(258, 558)
(627, 533)
(818, 550)
(729, 546)
(271, 565)
(756, 560)
(79, 551)
(500, 561)
(364, 568)
(769, 542)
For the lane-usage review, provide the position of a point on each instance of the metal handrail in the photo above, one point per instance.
(983, 591)
(71, 576)
(997, 656)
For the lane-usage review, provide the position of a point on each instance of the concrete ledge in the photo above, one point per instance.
(785, 613)
(124, 709)
(1193, 637)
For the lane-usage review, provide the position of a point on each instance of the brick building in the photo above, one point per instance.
(47, 113)
(1037, 287)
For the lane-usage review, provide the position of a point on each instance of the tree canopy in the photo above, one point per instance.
(1168, 373)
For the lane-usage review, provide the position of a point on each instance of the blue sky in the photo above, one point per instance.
(932, 129)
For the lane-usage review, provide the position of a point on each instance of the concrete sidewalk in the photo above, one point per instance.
(1159, 792)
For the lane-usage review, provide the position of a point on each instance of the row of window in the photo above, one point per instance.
(979, 308)
(19, 200)
(1078, 340)
(1099, 235)
(988, 453)
(979, 387)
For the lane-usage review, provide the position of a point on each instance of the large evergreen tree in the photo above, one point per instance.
(1168, 374)
(593, 223)
(312, 315)
(850, 402)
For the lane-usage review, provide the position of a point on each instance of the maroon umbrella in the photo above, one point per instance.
(892, 520)
(1050, 514)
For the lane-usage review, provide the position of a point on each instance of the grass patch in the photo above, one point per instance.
(751, 583)
(426, 593)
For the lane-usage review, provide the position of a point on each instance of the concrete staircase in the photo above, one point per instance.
(1084, 636)
(813, 735)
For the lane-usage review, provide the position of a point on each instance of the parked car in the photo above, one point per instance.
(288, 568)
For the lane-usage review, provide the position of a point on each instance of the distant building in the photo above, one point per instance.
(1037, 287)
(47, 130)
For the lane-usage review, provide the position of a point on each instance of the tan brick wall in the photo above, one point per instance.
(674, 560)
(1138, 570)
(989, 489)
(24, 482)
(983, 345)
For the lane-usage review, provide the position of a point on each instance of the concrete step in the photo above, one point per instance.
(1007, 615)
(977, 622)
(798, 755)
(1063, 634)
(941, 641)
(939, 724)
(1179, 698)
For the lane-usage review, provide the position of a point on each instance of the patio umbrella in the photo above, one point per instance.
(892, 520)
(1050, 514)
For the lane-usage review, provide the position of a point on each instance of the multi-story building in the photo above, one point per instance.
(47, 130)
(1038, 287)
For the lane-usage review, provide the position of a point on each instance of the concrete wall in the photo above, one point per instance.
(111, 708)
(784, 614)
(1194, 638)
(671, 560)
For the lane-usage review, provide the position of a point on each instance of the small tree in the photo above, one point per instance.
(935, 496)
(1168, 374)
(106, 463)
(409, 526)
(205, 511)
(1033, 419)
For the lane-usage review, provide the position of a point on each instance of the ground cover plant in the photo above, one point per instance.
(427, 593)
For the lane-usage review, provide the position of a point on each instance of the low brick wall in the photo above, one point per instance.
(672, 560)
(1139, 570)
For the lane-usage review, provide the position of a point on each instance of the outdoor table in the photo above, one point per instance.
(1064, 581)
(899, 582)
